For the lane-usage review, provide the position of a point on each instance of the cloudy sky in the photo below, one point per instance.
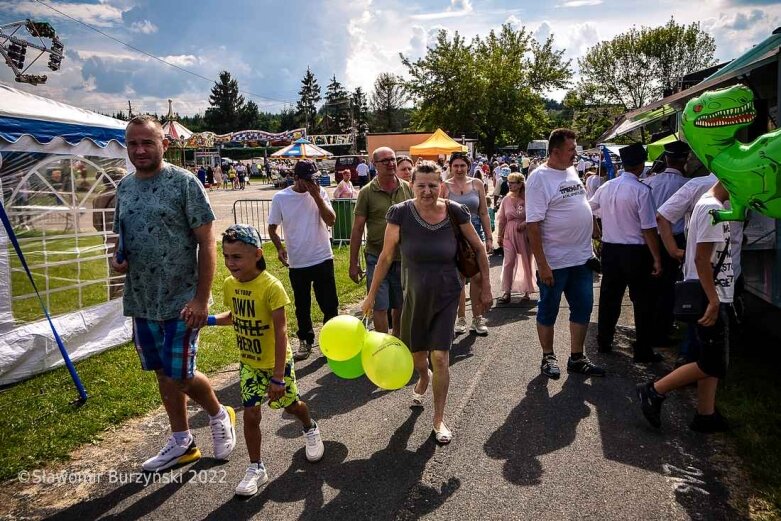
(268, 44)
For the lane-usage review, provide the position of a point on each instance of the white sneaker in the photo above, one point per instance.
(304, 350)
(314, 444)
(172, 454)
(460, 327)
(255, 476)
(224, 434)
(478, 326)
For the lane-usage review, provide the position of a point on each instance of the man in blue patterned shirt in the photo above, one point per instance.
(166, 247)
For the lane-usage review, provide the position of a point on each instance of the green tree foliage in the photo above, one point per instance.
(309, 97)
(387, 99)
(227, 111)
(360, 108)
(587, 116)
(490, 88)
(288, 119)
(338, 117)
(637, 67)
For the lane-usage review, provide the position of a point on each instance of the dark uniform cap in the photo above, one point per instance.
(677, 149)
(633, 155)
(305, 169)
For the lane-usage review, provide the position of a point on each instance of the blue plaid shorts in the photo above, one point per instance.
(168, 345)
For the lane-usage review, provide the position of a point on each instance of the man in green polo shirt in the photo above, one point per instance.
(373, 202)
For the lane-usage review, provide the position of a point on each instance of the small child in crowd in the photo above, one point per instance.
(257, 300)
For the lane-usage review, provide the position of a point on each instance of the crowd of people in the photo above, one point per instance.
(415, 217)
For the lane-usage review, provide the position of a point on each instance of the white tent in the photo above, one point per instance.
(58, 169)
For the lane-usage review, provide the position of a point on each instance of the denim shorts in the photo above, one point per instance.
(577, 284)
(390, 294)
(166, 344)
(478, 226)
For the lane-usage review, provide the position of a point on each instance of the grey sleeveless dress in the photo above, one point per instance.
(429, 277)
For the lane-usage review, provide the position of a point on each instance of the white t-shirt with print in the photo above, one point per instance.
(557, 200)
(702, 229)
(306, 235)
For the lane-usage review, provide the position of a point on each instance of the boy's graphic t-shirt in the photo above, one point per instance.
(251, 304)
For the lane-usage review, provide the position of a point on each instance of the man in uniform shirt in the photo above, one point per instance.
(630, 253)
(663, 186)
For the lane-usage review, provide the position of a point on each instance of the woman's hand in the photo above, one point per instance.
(367, 306)
(522, 226)
(489, 245)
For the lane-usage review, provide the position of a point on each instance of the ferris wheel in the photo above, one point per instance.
(15, 40)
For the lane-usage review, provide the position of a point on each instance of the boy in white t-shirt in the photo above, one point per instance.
(706, 244)
(306, 213)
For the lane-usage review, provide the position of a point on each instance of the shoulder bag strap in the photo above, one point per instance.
(723, 255)
(453, 223)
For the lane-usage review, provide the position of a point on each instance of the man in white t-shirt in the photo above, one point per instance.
(363, 173)
(306, 213)
(707, 248)
(559, 226)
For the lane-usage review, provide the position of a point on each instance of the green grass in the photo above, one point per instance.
(40, 424)
(750, 398)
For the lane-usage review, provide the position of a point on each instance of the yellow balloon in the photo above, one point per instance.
(386, 360)
(342, 338)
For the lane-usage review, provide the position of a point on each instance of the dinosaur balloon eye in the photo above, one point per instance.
(698, 108)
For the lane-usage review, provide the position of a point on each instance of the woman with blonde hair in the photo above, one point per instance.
(423, 228)
(518, 265)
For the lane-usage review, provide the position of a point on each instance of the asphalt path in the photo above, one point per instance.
(525, 447)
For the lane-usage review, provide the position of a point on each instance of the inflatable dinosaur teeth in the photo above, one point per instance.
(749, 172)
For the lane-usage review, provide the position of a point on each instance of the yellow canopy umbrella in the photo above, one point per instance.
(437, 143)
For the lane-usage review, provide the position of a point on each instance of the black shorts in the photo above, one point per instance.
(713, 355)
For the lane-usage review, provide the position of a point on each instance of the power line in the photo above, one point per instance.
(280, 101)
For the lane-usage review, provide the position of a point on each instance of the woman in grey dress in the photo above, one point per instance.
(432, 284)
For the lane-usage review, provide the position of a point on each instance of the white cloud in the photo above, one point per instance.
(581, 3)
(145, 27)
(182, 60)
(101, 15)
(457, 9)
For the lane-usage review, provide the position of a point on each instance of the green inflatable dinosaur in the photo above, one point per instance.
(749, 172)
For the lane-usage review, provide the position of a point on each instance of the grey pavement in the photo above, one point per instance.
(525, 447)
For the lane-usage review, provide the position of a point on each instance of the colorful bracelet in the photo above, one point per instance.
(277, 382)
(211, 320)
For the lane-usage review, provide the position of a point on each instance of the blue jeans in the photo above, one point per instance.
(577, 284)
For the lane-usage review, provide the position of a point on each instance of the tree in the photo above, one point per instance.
(288, 119)
(309, 97)
(637, 67)
(360, 108)
(491, 87)
(338, 119)
(226, 105)
(587, 116)
(388, 97)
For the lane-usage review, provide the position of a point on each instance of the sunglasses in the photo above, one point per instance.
(387, 161)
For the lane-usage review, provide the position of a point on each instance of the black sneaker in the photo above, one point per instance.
(708, 423)
(584, 366)
(650, 403)
(550, 366)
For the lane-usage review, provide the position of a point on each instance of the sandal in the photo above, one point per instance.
(443, 435)
(504, 299)
(525, 298)
(417, 399)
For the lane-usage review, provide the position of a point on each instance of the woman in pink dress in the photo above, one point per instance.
(518, 268)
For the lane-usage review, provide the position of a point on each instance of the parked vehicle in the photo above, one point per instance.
(345, 162)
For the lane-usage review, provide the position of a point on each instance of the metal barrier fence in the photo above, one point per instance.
(256, 211)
